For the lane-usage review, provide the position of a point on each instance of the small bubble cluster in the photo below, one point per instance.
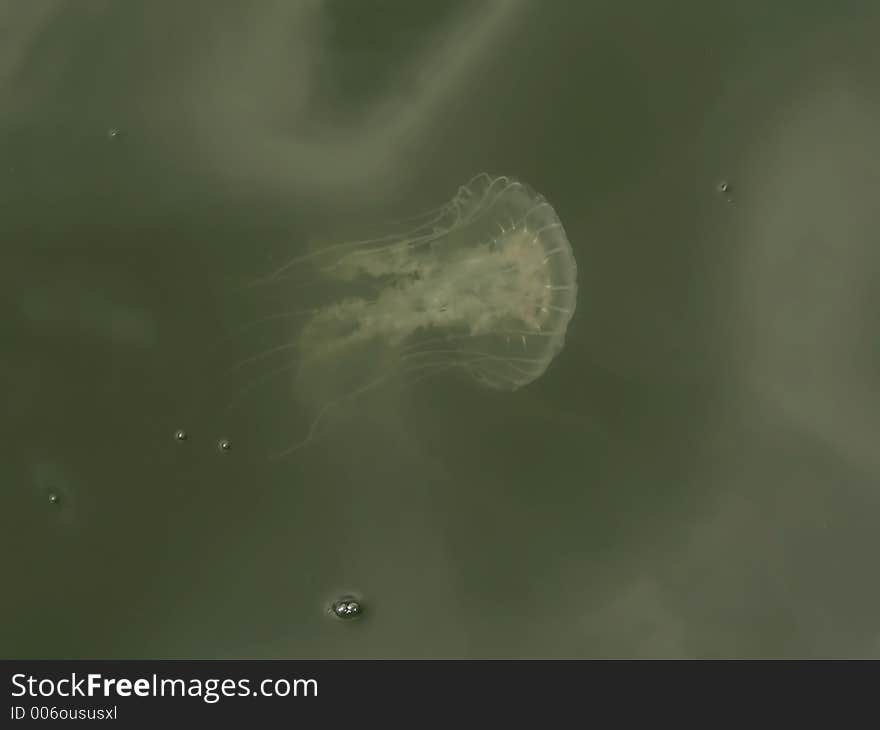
(223, 445)
(54, 498)
(347, 608)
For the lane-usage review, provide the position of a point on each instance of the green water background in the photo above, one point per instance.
(695, 476)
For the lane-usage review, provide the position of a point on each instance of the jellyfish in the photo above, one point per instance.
(483, 287)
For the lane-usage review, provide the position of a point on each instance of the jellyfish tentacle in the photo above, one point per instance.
(327, 408)
(287, 346)
(257, 382)
(488, 357)
(438, 216)
(247, 326)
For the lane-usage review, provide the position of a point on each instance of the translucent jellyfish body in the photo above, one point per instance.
(484, 286)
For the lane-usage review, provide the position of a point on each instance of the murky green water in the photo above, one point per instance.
(696, 473)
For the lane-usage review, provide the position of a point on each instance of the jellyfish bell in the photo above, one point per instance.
(484, 286)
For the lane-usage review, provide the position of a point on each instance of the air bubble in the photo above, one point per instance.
(113, 133)
(224, 445)
(54, 498)
(347, 608)
(181, 435)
